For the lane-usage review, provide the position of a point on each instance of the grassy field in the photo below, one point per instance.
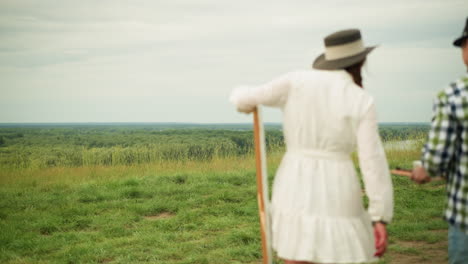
(178, 211)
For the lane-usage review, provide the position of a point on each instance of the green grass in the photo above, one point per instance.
(176, 212)
(146, 214)
(207, 216)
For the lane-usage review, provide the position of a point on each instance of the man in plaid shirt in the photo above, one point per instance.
(446, 154)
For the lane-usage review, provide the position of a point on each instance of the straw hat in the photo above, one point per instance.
(342, 49)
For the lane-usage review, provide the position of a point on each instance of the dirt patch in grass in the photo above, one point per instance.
(398, 258)
(420, 252)
(106, 260)
(162, 215)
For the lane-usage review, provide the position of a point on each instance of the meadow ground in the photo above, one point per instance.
(178, 212)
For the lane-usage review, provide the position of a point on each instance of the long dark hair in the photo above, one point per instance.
(355, 72)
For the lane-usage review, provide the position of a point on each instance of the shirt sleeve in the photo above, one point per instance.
(273, 93)
(374, 168)
(438, 150)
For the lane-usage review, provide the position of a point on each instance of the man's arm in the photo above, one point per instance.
(439, 148)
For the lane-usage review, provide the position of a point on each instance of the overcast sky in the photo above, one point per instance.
(177, 60)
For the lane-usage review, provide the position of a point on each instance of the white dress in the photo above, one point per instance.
(317, 210)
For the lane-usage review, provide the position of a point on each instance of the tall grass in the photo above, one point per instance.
(102, 173)
(45, 148)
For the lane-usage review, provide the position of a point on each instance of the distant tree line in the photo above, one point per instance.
(52, 146)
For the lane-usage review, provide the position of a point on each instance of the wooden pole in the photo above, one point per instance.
(401, 172)
(262, 187)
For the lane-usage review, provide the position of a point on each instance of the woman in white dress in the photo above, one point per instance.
(317, 207)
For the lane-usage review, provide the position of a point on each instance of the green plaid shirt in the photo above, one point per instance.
(446, 151)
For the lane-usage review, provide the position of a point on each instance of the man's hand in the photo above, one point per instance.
(419, 175)
(381, 239)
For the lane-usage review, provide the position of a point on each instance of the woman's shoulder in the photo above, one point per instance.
(362, 99)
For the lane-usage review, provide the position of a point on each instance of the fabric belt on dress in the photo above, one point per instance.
(320, 154)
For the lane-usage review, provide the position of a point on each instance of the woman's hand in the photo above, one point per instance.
(246, 110)
(381, 239)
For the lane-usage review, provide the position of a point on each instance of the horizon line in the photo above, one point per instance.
(170, 123)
